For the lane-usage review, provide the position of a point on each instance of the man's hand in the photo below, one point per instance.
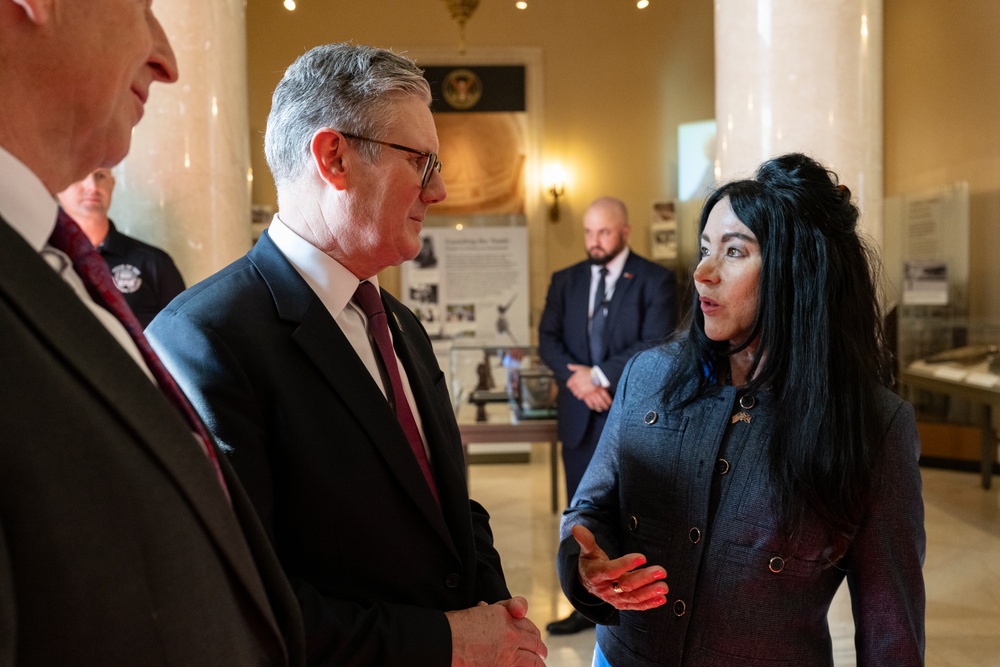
(619, 582)
(496, 634)
(597, 398)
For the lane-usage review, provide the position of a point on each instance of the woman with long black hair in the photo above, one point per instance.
(753, 464)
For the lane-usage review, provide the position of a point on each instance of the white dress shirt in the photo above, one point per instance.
(335, 285)
(29, 208)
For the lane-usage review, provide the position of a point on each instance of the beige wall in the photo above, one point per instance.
(942, 118)
(616, 83)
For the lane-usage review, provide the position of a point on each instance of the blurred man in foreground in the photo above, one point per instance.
(124, 539)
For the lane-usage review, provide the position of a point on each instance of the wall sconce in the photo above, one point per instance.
(555, 187)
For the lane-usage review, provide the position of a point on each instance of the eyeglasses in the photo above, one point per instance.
(430, 166)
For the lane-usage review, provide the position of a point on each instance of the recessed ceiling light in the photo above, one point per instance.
(642, 4)
(521, 4)
(290, 5)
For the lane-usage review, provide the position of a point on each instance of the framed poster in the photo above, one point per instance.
(482, 125)
(663, 231)
(471, 284)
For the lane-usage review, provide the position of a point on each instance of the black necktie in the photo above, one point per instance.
(597, 321)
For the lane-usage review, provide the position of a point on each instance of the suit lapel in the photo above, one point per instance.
(578, 307)
(579, 291)
(58, 316)
(422, 373)
(322, 340)
(624, 283)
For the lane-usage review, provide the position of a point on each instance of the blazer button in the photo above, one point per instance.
(722, 466)
(633, 523)
(650, 417)
(694, 535)
(679, 607)
(776, 564)
(453, 580)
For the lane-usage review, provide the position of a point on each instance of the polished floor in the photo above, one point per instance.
(962, 569)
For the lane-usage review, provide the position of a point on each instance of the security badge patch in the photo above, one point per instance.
(128, 279)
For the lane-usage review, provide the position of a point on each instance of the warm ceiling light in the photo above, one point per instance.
(642, 4)
(290, 5)
(521, 5)
(461, 11)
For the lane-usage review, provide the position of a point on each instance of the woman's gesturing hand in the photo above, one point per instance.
(623, 582)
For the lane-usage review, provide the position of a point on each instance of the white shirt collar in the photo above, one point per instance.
(25, 203)
(614, 267)
(333, 283)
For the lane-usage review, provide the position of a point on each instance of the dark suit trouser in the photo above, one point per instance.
(576, 460)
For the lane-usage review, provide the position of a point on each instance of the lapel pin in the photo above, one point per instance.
(740, 417)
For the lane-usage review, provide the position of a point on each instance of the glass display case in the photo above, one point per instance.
(504, 398)
(950, 371)
(511, 376)
(959, 349)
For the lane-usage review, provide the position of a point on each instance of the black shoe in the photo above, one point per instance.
(572, 624)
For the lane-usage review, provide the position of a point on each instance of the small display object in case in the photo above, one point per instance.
(532, 392)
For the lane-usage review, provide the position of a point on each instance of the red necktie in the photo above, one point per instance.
(368, 298)
(96, 276)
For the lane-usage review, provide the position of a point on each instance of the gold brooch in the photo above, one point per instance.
(746, 402)
(740, 416)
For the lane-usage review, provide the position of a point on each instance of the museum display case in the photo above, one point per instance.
(511, 375)
(949, 369)
(504, 399)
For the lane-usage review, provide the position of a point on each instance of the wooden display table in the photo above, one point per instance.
(500, 427)
(973, 383)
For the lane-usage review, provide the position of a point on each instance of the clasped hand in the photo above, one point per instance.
(496, 634)
(579, 384)
(623, 582)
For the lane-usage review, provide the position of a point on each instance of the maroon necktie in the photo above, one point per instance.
(367, 297)
(96, 276)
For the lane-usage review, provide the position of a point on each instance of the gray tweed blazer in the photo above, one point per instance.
(690, 490)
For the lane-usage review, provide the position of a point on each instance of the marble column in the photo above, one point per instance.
(806, 76)
(185, 185)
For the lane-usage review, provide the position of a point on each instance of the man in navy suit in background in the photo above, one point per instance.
(598, 313)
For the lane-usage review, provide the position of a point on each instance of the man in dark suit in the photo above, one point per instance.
(121, 542)
(598, 313)
(346, 440)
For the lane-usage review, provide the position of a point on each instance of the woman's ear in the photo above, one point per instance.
(327, 149)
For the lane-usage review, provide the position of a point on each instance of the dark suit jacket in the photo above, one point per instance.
(371, 556)
(643, 312)
(117, 545)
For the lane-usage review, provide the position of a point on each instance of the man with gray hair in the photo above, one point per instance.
(325, 391)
